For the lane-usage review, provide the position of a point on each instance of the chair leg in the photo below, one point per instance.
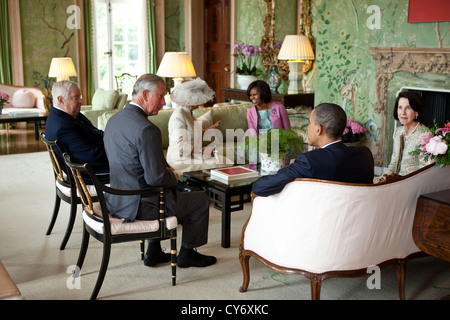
(83, 248)
(73, 214)
(244, 260)
(55, 214)
(173, 252)
(316, 285)
(400, 271)
(103, 268)
(142, 243)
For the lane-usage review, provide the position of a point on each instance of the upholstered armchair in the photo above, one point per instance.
(323, 229)
(103, 101)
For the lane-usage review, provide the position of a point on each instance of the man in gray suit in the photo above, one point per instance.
(134, 148)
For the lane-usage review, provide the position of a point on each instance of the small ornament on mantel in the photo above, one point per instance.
(274, 80)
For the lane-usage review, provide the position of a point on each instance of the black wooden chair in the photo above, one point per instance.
(65, 189)
(112, 230)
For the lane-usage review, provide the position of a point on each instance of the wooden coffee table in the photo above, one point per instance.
(226, 197)
(32, 117)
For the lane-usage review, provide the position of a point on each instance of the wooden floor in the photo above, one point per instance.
(19, 139)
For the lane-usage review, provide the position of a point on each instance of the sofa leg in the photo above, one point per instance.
(316, 285)
(400, 271)
(244, 260)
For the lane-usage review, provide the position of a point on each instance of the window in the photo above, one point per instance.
(121, 41)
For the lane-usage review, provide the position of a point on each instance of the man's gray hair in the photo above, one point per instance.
(62, 88)
(147, 82)
(332, 118)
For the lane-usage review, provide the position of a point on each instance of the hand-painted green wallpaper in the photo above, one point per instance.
(45, 35)
(345, 71)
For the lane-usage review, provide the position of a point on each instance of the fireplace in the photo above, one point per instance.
(422, 69)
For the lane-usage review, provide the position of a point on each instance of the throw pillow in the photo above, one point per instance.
(23, 98)
(104, 99)
(206, 119)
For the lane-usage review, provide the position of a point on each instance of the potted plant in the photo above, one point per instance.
(247, 56)
(353, 132)
(275, 149)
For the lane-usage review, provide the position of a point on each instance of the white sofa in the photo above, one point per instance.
(23, 99)
(324, 229)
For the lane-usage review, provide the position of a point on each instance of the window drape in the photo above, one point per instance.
(6, 73)
(151, 36)
(88, 30)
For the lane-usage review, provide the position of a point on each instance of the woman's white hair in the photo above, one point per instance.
(62, 89)
(191, 93)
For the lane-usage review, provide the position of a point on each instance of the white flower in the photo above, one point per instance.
(436, 146)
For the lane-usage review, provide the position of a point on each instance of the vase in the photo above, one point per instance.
(244, 80)
(274, 80)
(271, 164)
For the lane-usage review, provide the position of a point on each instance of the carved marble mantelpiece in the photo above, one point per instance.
(414, 60)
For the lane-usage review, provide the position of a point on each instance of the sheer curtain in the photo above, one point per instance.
(5, 45)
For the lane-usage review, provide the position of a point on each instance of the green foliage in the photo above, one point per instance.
(284, 141)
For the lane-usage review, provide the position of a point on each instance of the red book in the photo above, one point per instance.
(233, 173)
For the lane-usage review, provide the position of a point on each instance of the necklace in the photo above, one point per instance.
(407, 135)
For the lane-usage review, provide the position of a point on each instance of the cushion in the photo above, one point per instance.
(23, 98)
(121, 101)
(66, 190)
(104, 99)
(161, 120)
(206, 119)
(119, 227)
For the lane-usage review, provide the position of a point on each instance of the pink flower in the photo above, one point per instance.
(436, 146)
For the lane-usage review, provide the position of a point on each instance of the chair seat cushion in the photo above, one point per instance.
(119, 227)
(66, 190)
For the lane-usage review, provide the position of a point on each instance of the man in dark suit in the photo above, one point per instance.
(134, 148)
(331, 160)
(76, 134)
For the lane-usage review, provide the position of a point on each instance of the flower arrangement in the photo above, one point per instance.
(435, 147)
(3, 99)
(353, 132)
(247, 57)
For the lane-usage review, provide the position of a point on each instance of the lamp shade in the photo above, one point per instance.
(176, 65)
(296, 47)
(62, 68)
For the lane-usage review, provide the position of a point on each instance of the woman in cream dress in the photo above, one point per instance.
(185, 151)
(409, 110)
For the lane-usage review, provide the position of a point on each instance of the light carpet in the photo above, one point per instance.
(43, 272)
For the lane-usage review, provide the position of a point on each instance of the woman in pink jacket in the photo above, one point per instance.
(265, 113)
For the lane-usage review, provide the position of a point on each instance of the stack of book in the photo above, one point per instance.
(233, 174)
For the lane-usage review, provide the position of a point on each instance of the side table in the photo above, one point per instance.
(288, 100)
(431, 228)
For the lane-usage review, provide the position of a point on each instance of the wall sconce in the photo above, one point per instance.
(296, 49)
(62, 68)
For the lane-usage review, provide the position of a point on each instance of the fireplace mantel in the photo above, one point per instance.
(391, 60)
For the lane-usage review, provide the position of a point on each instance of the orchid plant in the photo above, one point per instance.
(435, 147)
(353, 132)
(247, 57)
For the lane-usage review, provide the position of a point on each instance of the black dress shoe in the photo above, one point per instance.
(194, 259)
(151, 260)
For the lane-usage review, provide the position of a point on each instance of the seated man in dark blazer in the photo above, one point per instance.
(331, 160)
(76, 134)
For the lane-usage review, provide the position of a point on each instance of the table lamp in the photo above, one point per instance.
(176, 65)
(62, 68)
(296, 49)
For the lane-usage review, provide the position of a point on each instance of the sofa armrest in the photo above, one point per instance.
(8, 289)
